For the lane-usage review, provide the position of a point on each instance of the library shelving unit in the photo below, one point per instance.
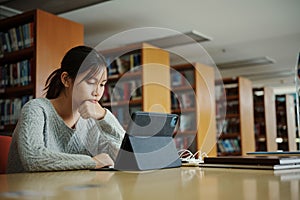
(264, 119)
(237, 136)
(193, 98)
(32, 46)
(138, 80)
(286, 122)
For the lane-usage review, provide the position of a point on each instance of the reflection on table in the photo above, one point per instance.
(177, 183)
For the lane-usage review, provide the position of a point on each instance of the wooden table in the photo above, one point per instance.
(178, 183)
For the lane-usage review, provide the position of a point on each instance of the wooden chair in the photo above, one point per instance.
(4, 149)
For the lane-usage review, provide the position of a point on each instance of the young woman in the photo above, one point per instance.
(68, 129)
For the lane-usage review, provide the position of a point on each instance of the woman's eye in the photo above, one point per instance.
(91, 82)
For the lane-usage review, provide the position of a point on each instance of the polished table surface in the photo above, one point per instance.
(178, 183)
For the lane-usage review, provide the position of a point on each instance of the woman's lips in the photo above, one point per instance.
(93, 100)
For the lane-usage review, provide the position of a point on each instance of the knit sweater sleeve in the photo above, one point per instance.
(33, 152)
(104, 136)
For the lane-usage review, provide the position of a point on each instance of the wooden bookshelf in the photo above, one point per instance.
(286, 123)
(297, 115)
(237, 137)
(139, 79)
(42, 40)
(193, 98)
(264, 119)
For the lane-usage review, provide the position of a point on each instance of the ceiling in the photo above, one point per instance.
(239, 29)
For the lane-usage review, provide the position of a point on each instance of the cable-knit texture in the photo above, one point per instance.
(42, 141)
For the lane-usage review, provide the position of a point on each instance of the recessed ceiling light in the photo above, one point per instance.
(178, 39)
(8, 12)
(248, 62)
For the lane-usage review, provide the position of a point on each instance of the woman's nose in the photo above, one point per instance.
(96, 91)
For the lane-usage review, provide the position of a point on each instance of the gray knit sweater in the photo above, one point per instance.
(43, 142)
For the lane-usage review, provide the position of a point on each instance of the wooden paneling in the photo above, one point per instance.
(206, 112)
(54, 37)
(246, 115)
(270, 119)
(156, 79)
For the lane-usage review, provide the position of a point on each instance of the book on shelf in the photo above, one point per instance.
(112, 67)
(233, 107)
(189, 76)
(229, 145)
(183, 99)
(10, 109)
(122, 64)
(231, 125)
(182, 78)
(119, 113)
(231, 91)
(174, 101)
(187, 122)
(187, 99)
(123, 91)
(183, 141)
(123, 113)
(15, 74)
(17, 38)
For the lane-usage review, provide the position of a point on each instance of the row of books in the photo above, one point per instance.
(10, 109)
(231, 91)
(229, 146)
(182, 78)
(123, 64)
(183, 141)
(231, 125)
(125, 91)
(187, 122)
(182, 100)
(260, 128)
(232, 107)
(123, 114)
(15, 74)
(219, 91)
(17, 38)
(282, 130)
(220, 110)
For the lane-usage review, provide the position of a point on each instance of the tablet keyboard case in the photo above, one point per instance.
(139, 152)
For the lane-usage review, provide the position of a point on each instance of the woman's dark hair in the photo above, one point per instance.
(77, 60)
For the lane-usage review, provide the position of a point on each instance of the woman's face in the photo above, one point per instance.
(89, 89)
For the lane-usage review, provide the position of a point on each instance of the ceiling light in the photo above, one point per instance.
(248, 62)
(272, 76)
(275, 74)
(178, 39)
(8, 12)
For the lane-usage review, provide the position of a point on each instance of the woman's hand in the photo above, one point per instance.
(103, 160)
(91, 109)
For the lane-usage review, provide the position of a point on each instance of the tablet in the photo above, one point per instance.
(148, 143)
(148, 124)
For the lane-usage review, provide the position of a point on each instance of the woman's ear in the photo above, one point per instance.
(65, 79)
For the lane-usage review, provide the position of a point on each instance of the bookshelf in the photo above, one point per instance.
(286, 122)
(32, 46)
(264, 119)
(237, 137)
(193, 98)
(297, 115)
(138, 80)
